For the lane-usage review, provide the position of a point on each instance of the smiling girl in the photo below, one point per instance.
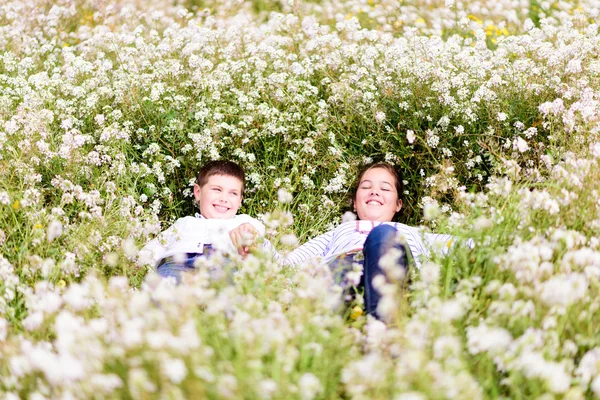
(376, 201)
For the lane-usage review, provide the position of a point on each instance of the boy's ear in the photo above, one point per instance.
(399, 207)
(197, 192)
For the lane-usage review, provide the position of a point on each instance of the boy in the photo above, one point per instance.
(218, 192)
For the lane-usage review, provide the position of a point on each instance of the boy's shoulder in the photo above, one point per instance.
(214, 223)
(188, 219)
(246, 219)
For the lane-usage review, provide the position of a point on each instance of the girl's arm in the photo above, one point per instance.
(439, 242)
(315, 247)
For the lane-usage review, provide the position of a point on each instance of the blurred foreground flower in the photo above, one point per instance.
(55, 229)
(284, 196)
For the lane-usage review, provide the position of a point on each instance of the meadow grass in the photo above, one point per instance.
(107, 109)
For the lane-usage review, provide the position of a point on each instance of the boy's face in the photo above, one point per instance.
(220, 197)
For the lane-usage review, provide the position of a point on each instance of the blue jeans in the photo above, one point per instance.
(170, 268)
(378, 242)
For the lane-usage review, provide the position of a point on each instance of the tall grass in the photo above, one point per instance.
(107, 110)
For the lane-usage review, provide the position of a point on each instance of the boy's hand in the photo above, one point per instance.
(243, 238)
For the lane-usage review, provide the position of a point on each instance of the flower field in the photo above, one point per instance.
(109, 107)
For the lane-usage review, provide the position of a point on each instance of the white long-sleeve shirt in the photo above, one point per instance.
(351, 236)
(190, 235)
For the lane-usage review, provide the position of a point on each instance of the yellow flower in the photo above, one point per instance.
(37, 226)
(475, 18)
(16, 205)
(357, 311)
(61, 283)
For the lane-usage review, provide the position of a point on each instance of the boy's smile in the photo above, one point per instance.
(220, 197)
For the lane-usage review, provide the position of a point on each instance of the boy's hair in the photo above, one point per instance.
(220, 167)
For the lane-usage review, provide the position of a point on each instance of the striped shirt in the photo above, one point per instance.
(351, 236)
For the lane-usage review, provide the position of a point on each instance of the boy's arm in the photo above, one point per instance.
(243, 237)
(311, 249)
(244, 219)
(152, 252)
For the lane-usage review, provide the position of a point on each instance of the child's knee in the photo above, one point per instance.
(382, 234)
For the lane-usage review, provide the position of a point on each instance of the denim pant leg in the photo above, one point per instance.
(175, 269)
(378, 242)
(340, 267)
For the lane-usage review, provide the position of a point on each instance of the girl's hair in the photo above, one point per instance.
(220, 167)
(394, 170)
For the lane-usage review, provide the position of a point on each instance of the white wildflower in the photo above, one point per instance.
(310, 386)
(564, 289)
(348, 216)
(289, 240)
(380, 116)
(589, 366)
(129, 248)
(175, 370)
(431, 210)
(595, 149)
(595, 386)
(482, 223)
(267, 388)
(411, 396)
(33, 321)
(451, 310)
(55, 229)
(3, 329)
(430, 273)
(485, 339)
(4, 198)
(521, 145)
(283, 196)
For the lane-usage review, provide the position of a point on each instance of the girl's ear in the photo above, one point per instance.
(399, 206)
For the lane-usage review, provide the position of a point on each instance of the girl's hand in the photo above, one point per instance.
(243, 238)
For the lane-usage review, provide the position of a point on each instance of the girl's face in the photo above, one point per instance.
(376, 197)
